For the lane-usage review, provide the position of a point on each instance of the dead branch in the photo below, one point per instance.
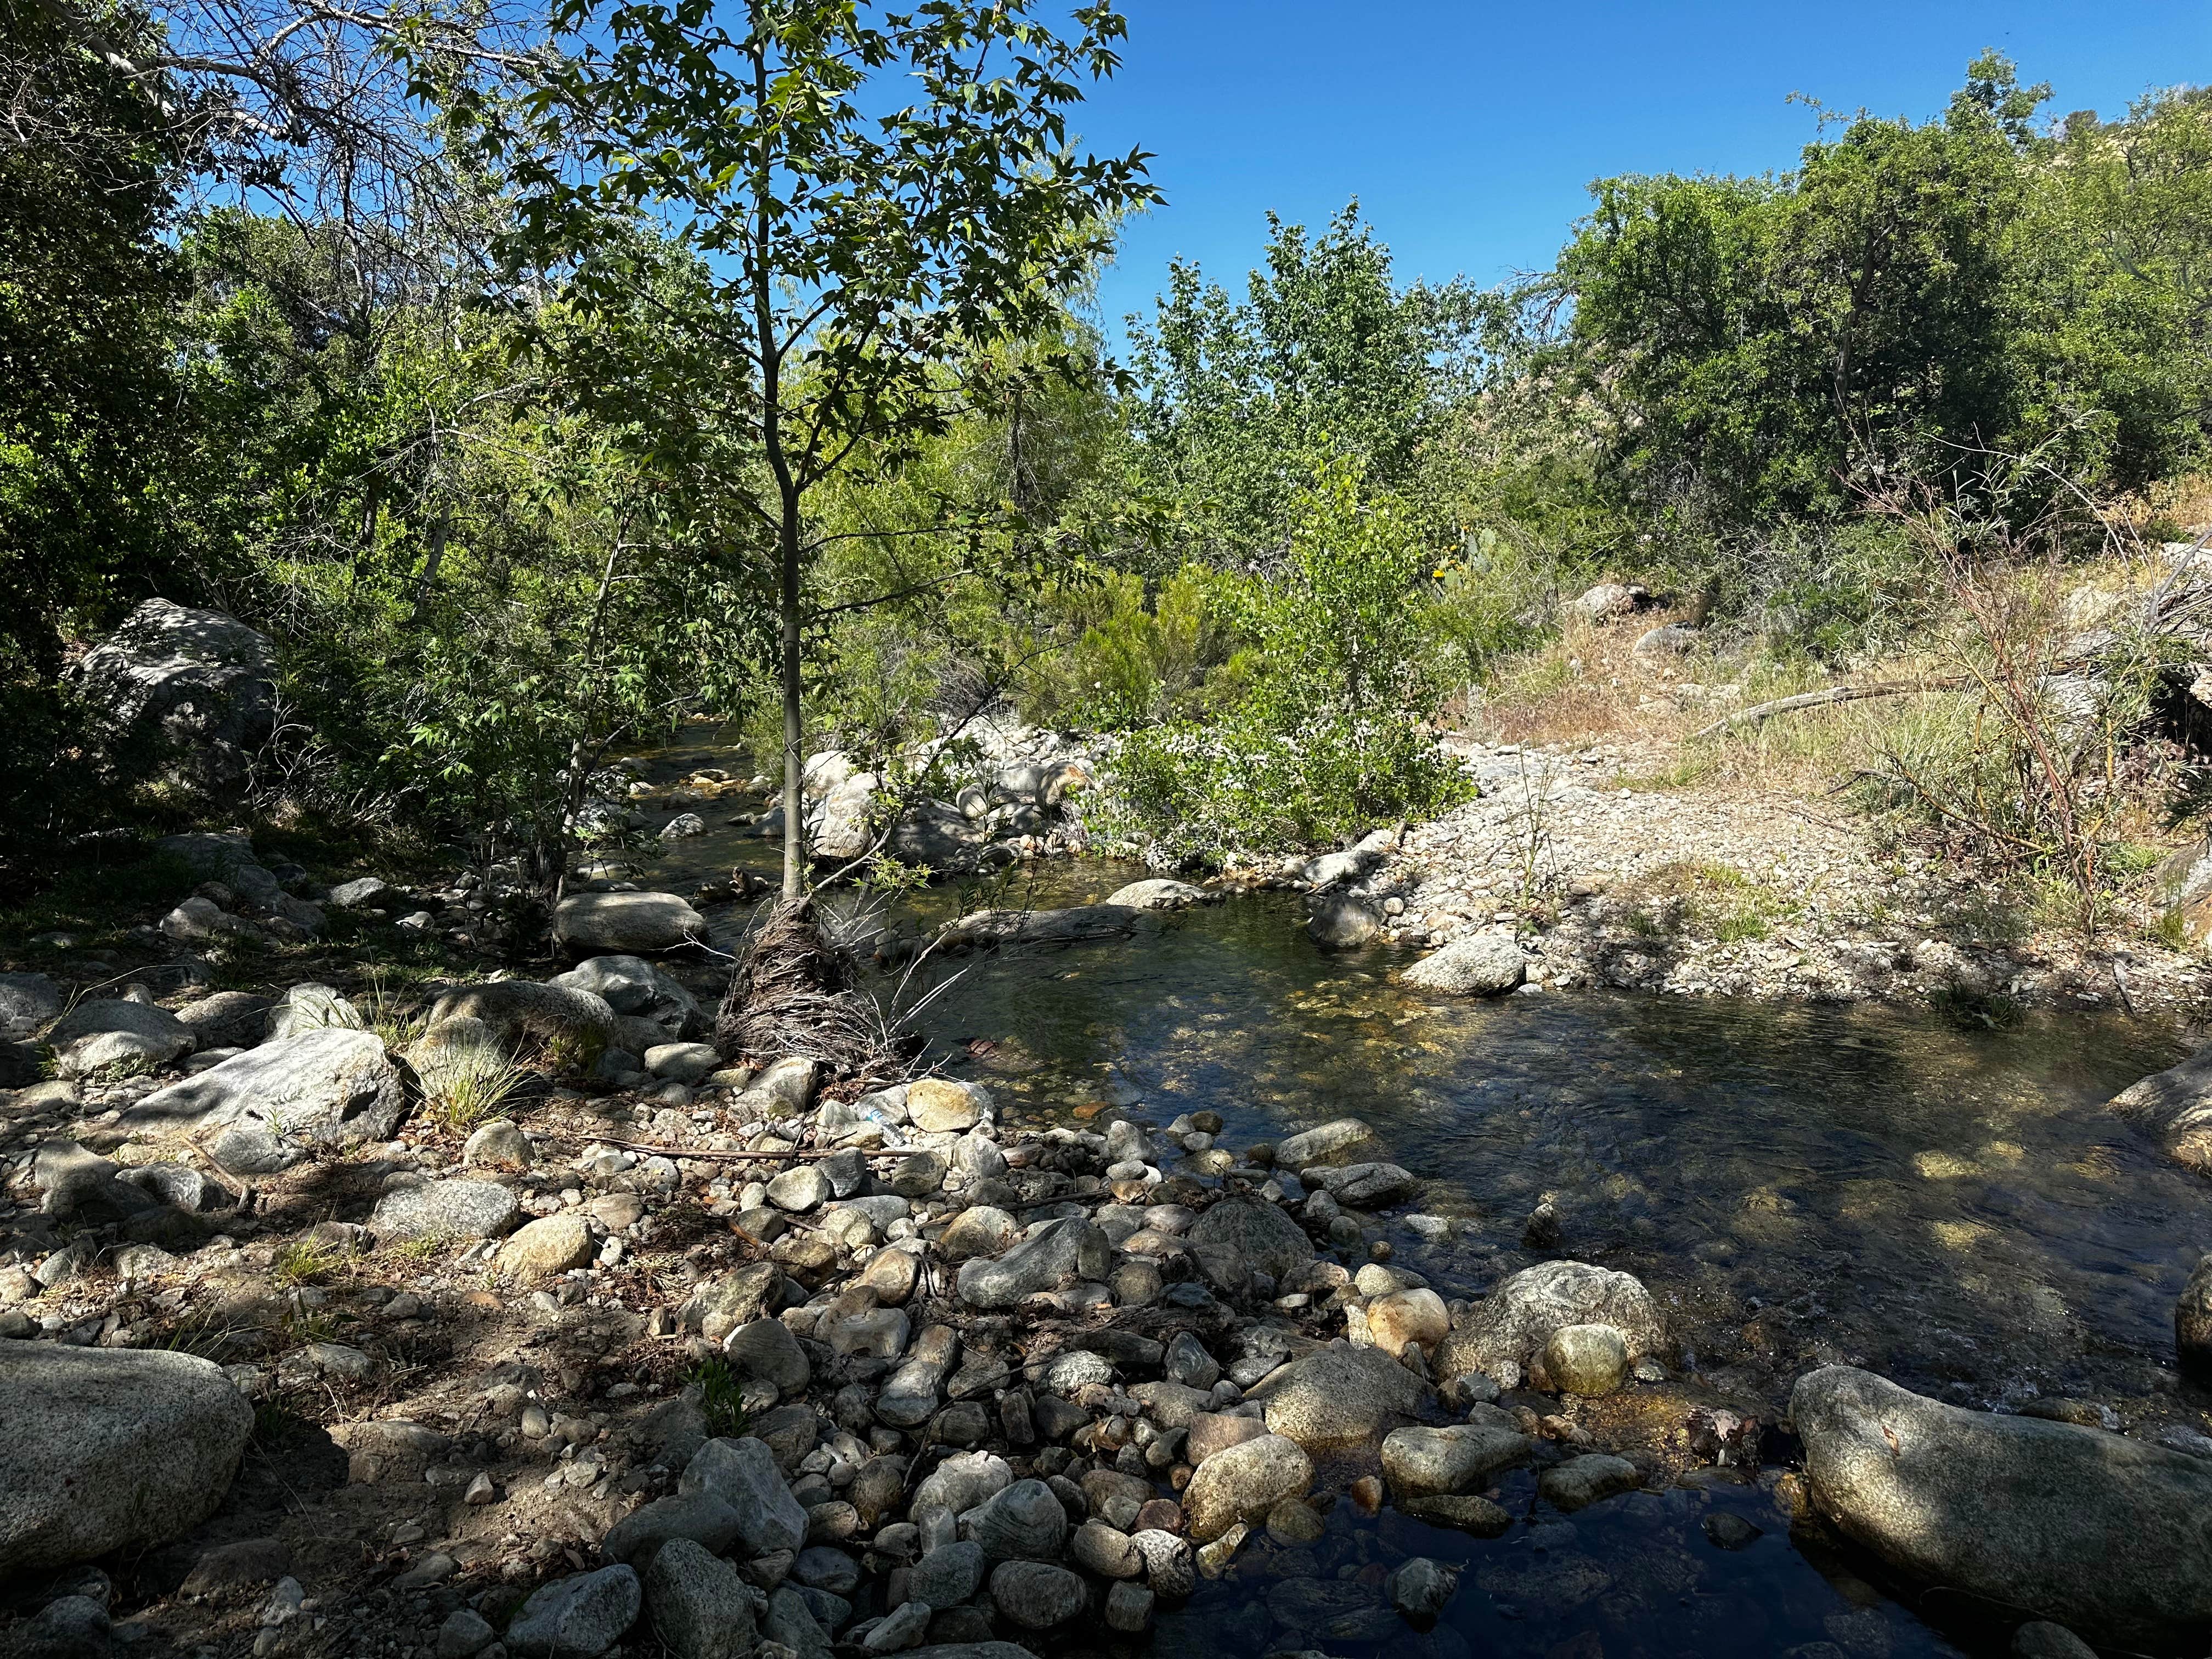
(1834, 694)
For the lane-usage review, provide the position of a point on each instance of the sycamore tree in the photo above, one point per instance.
(870, 197)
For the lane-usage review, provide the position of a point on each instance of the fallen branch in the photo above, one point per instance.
(801, 1153)
(1833, 694)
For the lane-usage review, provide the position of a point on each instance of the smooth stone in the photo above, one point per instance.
(1243, 1483)
(1337, 1397)
(948, 1575)
(1420, 1589)
(1419, 1462)
(766, 1348)
(1479, 965)
(1037, 1596)
(1582, 1481)
(1591, 1360)
(1465, 1512)
(1407, 1319)
(453, 1208)
(546, 1246)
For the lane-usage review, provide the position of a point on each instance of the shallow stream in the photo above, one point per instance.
(1798, 1185)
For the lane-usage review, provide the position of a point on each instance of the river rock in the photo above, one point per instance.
(576, 1618)
(1310, 1146)
(737, 1297)
(1188, 1362)
(626, 923)
(1243, 1483)
(1421, 1587)
(1037, 1595)
(2174, 1108)
(803, 1188)
(2041, 1639)
(1024, 1523)
(948, 1575)
(744, 1474)
(1049, 1261)
(1337, 921)
(28, 1001)
(981, 1229)
(2018, 1509)
(1419, 1463)
(1005, 929)
(1366, 1186)
(963, 1482)
(766, 1348)
(1338, 1397)
(1586, 1360)
(456, 1207)
(196, 684)
(112, 1033)
(698, 1517)
(683, 1062)
(631, 985)
(1158, 893)
(1463, 1510)
(1481, 965)
(310, 1008)
(1129, 1607)
(267, 1109)
(1581, 1481)
(1257, 1230)
(911, 1394)
(500, 1141)
(1514, 1323)
(111, 1448)
(1105, 1550)
(2192, 1321)
(1406, 1319)
(550, 1245)
(1211, 1432)
(940, 1105)
(701, 1609)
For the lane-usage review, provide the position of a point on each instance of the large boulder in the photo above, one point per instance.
(1338, 1398)
(631, 985)
(2192, 1321)
(113, 1034)
(263, 1110)
(1160, 893)
(993, 929)
(1481, 965)
(1259, 1232)
(1461, 1458)
(1243, 1483)
(514, 1008)
(27, 1002)
(626, 923)
(198, 685)
(456, 1207)
(232, 860)
(110, 1448)
(2092, 1529)
(843, 828)
(1053, 1257)
(1338, 921)
(1512, 1325)
(2174, 1108)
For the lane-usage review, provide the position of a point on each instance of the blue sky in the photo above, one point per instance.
(1468, 131)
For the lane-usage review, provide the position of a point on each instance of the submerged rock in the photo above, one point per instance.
(1337, 921)
(999, 929)
(1519, 1317)
(1482, 965)
(2023, 1511)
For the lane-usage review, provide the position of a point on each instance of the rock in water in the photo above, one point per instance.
(1310, 1146)
(1336, 921)
(261, 1111)
(197, 684)
(2174, 1108)
(1519, 1317)
(1586, 1360)
(2017, 1509)
(626, 923)
(1421, 1462)
(576, 1618)
(2192, 1321)
(1481, 966)
(110, 1448)
(1159, 893)
(1242, 1484)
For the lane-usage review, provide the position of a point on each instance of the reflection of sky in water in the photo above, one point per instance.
(1866, 1184)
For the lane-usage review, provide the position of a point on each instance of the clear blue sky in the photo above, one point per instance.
(1468, 131)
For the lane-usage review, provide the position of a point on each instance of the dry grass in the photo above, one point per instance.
(792, 993)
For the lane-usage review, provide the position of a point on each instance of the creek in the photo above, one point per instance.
(1798, 1185)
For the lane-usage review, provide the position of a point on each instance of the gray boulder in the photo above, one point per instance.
(1053, 1258)
(1037, 1595)
(743, 1473)
(1366, 1186)
(576, 1618)
(1515, 1321)
(631, 985)
(766, 1348)
(1422, 1588)
(1581, 1481)
(1482, 965)
(1338, 1397)
(110, 1033)
(1337, 921)
(701, 1608)
(1159, 893)
(698, 1517)
(311, 1007)
(456, 1207)
(263, 1110)
(228, 1019)
(197, 684)
(512, 1009)
(231, 860)
(1421, 1462)
(1243, 1483)
(1267, 1238)
(626, 923)
(2019, 1510)
(1024, 1523)
(992, 930)
(111, 1448)
(1362, 858)
(2174, 1109)
(1308, 1146)
(27, 1002)
(2192, 1321)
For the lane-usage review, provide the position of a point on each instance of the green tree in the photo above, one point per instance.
(853, 249)
(1239, 401)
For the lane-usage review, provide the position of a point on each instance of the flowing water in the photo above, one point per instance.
(1798, 1185)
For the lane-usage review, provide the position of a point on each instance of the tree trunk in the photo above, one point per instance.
(794, 722)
